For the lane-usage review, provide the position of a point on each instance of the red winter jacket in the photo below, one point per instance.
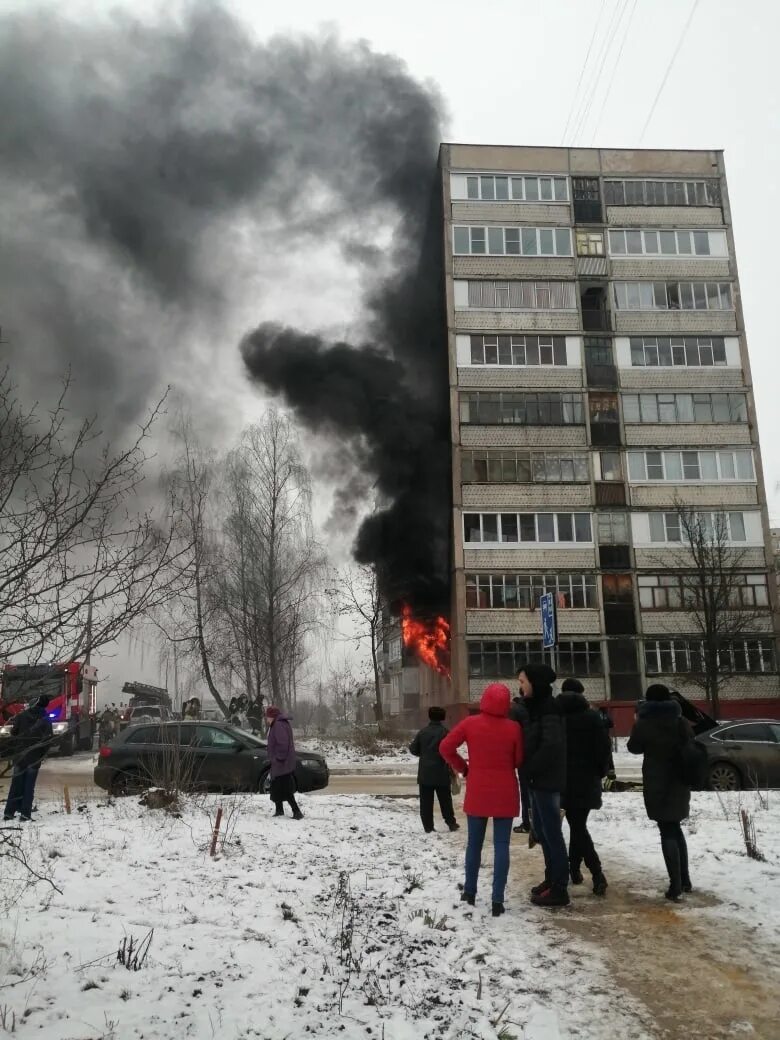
(495, 745)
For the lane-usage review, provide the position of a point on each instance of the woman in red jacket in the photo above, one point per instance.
(495, 745)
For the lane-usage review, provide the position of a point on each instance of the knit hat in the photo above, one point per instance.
(271, 712)
(437, 714)
(541, 678)
(572, 686)
(657, 692)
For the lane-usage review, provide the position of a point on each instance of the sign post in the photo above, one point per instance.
(549, 624)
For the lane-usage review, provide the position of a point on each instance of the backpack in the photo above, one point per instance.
(694, 766)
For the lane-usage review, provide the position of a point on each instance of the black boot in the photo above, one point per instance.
(685, 877)
(599, 885)
(467, 897)
(454, 826)
(497, 909)
(540, 887)
(576, 875)
(671, 851)
(551, 897)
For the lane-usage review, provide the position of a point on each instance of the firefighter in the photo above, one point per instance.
(32, 735)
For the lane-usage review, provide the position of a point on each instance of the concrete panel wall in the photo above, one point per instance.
(510, 158)
(527, 623)
(515, 321)
(665, 216)
(663, 495)
(492, 376)
(651, 323)
(529, 559)
(522, 436)
(671, 435)
(513, 267)
(678, 622)
(669, 268)
(742, 687)
(681, 378)
(527, 213)
(660, 162)
(674, 559)
(526, 497)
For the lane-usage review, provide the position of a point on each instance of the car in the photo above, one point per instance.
(743, 753)
(196, 756)
(142, 713)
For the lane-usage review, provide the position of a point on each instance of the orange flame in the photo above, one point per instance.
(429, 640)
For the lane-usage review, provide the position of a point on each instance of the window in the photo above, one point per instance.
(502, 528)
(511, 241)
(682, 591)
(211, 737)
(748, 732)
(684, 408)
(590, 243)
(611, 466)
(666, 296)
(144, 735)
(528, 296)
(677, 351)
(677, 466)
(509, 466)
(667, 243)
(612, 528)
(587, 200)
(502, 659)
(516, 188)
(618, 588)
(494, 408)
(522, 591)
(518, 350)
(687, 655)
(662, 193)
(603, 408)
(668, 527)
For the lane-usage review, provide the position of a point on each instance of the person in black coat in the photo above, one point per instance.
(31, 733)
(660, 733)
(545, 770)
(433, 773)
(519, 714)
(587, 762)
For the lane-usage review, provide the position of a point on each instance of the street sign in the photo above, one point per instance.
(549, 620)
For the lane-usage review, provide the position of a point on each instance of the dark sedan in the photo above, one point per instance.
(196, 756)
(743, 753)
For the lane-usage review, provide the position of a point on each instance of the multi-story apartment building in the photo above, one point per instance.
(599, 378)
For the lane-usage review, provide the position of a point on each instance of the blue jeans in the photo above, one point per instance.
(502, 831)
(547, 825)
(22, 791)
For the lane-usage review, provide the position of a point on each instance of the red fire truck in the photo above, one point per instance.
(72, 689)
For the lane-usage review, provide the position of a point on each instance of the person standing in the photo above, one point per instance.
(587, 762)
(281, 752)
(519, 714)
(660, 733)
(545, 767)
(31, 733)
(433, 773)
(495, 747)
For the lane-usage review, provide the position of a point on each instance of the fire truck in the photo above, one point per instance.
(72, 692)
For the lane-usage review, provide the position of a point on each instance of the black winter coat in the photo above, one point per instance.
(31, 733)
(518, 712)
(545, 749)
(432, 770)
(587, 752)
(659, 733)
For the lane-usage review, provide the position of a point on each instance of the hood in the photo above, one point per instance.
(572, 703)
(658, 710)
(495, 700)
(541, 677)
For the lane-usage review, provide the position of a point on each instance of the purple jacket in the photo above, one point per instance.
(281, 746)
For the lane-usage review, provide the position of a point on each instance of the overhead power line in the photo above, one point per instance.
(575, 99)
(608, 91)
(617, 16)
(669, 68)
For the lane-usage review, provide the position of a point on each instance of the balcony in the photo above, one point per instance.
(610, 493)
(614, 557)
(605, 434)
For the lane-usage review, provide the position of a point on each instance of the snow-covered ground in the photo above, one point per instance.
(346, 924)
(341, 754)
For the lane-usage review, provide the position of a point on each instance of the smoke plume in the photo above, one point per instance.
(150, 170)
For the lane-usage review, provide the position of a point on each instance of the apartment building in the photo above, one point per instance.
(599, 379)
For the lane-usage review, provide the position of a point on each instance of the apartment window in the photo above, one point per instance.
(507, 466)
(513, 528)
(511, 241)
(666, 656)
(677, 466)
(667, 243)
(518, 350)
(668, 527)
(590, 243)
(681, 591)
(662, 193)
(603, 408)
(528, 296)
(612, 528)
(504, 188)
(522, 591)
(673, 296)
(677, 351)
(684, 408)
(494, 408)
(587, 200)
(618, 589)
(502, 659)
(610, 465)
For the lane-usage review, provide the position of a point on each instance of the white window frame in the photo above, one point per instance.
(501, 543)
(561, 585)
(677, 348)
(649, 403)
(531, 295)
(518, 346)
(721, 455)
(672, 522)
(633, 295)
(690, 187)
(477, 233)
(650, 242)
(692, 646)
(519, 187)
(538, 462)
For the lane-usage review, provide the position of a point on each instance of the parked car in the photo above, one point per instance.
(143, 713)
(198, 756)
(743, 753)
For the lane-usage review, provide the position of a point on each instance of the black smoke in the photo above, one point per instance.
(137, 158)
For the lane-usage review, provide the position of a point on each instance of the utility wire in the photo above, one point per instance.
(617, 16)
(582, 73)
(590, 77)
(669, 67)
(614, 70)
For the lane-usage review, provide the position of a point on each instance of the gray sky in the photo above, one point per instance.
(509, 72)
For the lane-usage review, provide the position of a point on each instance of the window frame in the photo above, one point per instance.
(697, 191)
(517, 188)
(488, 236)
(632, 295)
(527, 526)
(667, 454)
(676, 351)
(648, 405)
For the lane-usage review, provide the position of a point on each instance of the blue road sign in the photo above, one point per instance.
(549, 626)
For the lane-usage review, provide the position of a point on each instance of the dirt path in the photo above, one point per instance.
(698, 974)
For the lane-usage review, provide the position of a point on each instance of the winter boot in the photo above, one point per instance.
(540, 887)
(599, 885)
(551, 897)
(468, 897)
(576, 875)
(685, 877)
(522, 828)
(497, 909)
(532, 842)
(671, 851)
(454, 826)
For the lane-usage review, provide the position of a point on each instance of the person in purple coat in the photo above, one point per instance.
(281, 752)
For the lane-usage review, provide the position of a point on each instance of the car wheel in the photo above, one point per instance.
(126, 783)
(264, 784)
(66, 745)
(724, 777)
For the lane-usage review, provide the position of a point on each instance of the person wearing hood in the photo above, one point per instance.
(588, 753)
(433, 773)
(545, 770)
(495, 748)
(660, 733)
(31, 733)
(281, 752)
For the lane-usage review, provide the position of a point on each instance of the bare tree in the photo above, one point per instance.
(711, 566)
(355, 595)
(81, 560)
